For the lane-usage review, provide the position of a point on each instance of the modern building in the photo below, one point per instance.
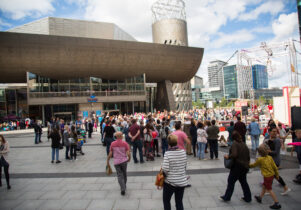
(268, 93)
(260, 77)
(196, 86)
(215, 74)
(211, 94)
(75, 68)
(230, 82)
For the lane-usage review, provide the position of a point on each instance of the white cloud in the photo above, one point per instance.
(18, 9)
(132, 16)
(236, 37)
(286, 26)
(271, 7)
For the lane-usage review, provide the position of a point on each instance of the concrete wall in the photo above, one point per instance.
(74, 28)
(37, 27)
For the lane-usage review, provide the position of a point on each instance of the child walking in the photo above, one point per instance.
(268, 170)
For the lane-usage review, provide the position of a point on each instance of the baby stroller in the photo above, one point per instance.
(81, 139)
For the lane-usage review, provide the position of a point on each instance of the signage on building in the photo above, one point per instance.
(92, 99)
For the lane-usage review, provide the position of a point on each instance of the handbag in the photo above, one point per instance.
(108, 169)
(228, 163)
(61, 146)
(148, 138)
(71, 140)
(160, 179)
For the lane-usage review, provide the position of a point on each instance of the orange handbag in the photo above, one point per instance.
(160, 179)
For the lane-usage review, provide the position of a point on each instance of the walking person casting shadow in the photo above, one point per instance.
(240, 155)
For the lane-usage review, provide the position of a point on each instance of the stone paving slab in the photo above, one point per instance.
(208, 180)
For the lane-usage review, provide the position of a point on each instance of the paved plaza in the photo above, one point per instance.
(83, 184)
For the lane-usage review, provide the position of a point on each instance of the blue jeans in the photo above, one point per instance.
(201, 150)
(137, 144)
(55, 151)
(108, 141)
(164, 146)
(255, 142)
(37, 138)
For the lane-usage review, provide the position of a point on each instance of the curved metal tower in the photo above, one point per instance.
(169, 22)
(169, 27)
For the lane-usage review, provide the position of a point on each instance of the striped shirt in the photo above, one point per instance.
(174, 166)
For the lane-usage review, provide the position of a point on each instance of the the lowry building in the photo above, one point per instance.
(74, 68)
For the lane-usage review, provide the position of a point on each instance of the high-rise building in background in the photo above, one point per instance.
(260, 76)
(196, 85)
(230, 82)
(215, 74)
(244, 81)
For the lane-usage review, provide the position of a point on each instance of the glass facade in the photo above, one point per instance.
(260, 77)
(45, 87)
(230, 82)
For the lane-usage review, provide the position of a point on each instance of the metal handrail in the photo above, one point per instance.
(85, 94)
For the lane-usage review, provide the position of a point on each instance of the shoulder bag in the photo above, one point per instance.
(228, 163)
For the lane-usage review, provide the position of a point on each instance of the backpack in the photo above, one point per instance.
(164, 132)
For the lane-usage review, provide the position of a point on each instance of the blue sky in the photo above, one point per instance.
(219, 26)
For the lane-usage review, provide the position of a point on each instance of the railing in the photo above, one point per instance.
(85, 94)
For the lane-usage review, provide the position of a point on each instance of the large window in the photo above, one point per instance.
(83, 86)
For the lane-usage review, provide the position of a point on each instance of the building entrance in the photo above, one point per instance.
(66, 116)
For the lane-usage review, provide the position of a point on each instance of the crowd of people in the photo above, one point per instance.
(174, 136)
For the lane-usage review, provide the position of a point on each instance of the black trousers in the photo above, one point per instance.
(156, 146)
(194, 145)
(73, 151)
(168, 191)
(238, 173)
(213, 148)
(5, 173)
(281, 181)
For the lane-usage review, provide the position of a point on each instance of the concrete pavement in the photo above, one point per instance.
(83, 184)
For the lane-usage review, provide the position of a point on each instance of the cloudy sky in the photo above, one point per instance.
(219, 26)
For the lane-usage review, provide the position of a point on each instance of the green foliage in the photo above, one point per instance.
(223, 103)
(198, 104)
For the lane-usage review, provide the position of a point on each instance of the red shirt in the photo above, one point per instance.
(134, 130)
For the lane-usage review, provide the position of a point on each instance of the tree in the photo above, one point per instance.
(223, 103)
(261, 100)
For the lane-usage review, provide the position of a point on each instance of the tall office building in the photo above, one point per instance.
(196, 85)
(260, 76)
(230, 81)
(215, 74)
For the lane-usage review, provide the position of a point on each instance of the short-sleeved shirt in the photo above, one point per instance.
(119, 149)
(109, 130)
(134, 129)
(181, 138)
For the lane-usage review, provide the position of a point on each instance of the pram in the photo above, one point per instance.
(81, 139)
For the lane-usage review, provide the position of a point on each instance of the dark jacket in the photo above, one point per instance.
(193, 133)
(55, 140)
(74, 136)
(66, 137)
(241, 128)
(212, 132)
(90, 125)
(239, 152)
(275, 146)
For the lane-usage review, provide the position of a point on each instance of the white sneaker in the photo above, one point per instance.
(286, 192)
